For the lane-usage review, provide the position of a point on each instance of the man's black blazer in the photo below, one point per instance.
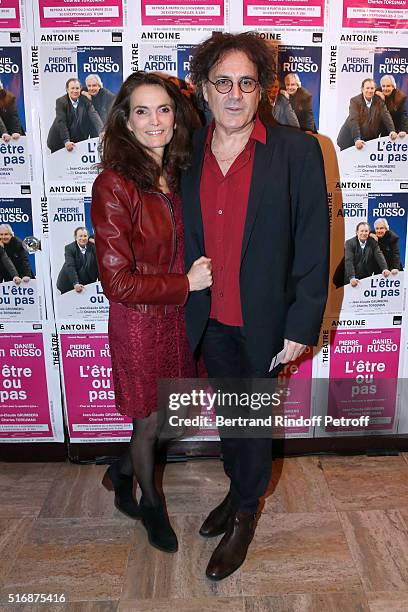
(76, 269)
(65, 128)
(361, 264)
(285, 249)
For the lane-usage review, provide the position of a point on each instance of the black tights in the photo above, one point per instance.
(139, 459)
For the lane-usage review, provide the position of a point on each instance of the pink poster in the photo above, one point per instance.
(9, 14)
(81, 14)
(25, 411)
(363, 378)
(388, 14)
(297, 13)
(89, 393)
(183, 12)
(295, 387)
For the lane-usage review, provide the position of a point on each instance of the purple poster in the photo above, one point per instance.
(25, 410)
(89, 392)
(295, 387)
(363, 377)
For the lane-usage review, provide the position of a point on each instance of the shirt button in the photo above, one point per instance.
(220, 212)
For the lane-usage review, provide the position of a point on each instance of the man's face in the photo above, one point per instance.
(362, 232)
(92, 86)
(291, 84)
(368, 90)
(5, 236)
(273, 90)
(82, 238)
(233, 110)
(386, 87)
(74, 90)
(380, 229)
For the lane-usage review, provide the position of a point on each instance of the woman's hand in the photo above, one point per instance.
(200, 275)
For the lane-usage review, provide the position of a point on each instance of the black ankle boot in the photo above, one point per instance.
(159, 531)
(123, 487)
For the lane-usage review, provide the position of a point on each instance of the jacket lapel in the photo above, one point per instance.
(260, 172)
(193, 185)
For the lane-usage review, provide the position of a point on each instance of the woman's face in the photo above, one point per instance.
(151, 117)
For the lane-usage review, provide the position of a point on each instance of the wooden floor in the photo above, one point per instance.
(333, 537)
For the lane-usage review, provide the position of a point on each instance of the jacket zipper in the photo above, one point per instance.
(173, 222)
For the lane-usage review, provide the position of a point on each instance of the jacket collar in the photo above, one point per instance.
(260, 173)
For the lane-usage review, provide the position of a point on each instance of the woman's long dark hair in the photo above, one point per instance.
(122, 152)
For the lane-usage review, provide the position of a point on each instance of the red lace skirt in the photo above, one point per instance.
(145, 348)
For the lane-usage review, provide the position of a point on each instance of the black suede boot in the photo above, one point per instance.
(114, 480)
(159, 531)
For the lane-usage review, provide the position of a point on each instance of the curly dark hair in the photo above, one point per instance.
(212, 50)
(121, 151)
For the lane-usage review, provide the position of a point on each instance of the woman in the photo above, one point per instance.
(136, 215)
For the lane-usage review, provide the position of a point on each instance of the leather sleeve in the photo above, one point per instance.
(111, 214)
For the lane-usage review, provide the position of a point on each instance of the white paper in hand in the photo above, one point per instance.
(277, 359)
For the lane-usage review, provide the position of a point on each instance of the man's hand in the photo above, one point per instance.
(354, 282)
(293, 350)
(17, 280)
(284, 93)
(86, 94)
(386, 273)
(15, 135)
(393, 135)
(374, 236)
(6, 137)
(402, 134)
(380, 95)
(26, 279)
(69, 146)
(359, 144)
(78, 287)
(394, 271)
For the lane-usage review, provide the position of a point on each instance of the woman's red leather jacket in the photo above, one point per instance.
(135, 239)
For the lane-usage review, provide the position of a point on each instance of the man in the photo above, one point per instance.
(100, 97)
(277, 107)
(368, 118)
(388, 241)
(396, 103)
(301, 102)
(75, 120)
(10, 124)
(16, 253)
(80, 267)
(362, 256)
(255, 204)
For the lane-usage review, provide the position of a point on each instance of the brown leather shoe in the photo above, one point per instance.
(232, 549)
(216, 522)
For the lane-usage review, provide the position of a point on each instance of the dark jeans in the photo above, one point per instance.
(247, 461)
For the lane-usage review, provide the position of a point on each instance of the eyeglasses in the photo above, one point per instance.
(224, 86)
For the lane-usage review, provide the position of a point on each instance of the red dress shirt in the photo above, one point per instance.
(224, 203)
